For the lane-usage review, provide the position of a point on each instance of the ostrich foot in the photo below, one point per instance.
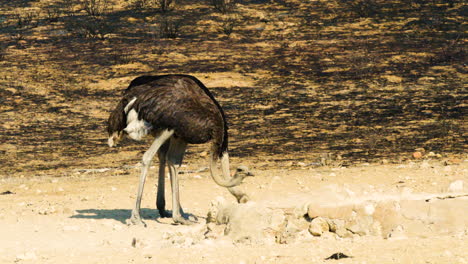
(181, 220)
(135, 219)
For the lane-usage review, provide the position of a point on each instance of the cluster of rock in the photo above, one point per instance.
(390, 217)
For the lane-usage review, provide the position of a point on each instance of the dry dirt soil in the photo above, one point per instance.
(353, 112)
(82, 218)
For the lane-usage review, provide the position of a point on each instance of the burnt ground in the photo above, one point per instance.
(300, 81)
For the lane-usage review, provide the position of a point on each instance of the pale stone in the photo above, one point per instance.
(277, 220)
(361, 225)
(456, 186)
(369, 209)
(414, 209)
(387, 213)
(318, 226)
(301, 211)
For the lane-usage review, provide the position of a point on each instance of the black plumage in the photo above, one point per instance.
(178, 102)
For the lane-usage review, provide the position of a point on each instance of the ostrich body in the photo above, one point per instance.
(177, 110)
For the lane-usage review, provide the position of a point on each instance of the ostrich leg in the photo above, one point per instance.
(160, 197)
(174, 158)
(146, 161)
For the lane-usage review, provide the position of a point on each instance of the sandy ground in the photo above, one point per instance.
(81, 218)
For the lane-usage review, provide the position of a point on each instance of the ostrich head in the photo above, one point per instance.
(242, 172)
(114, 139)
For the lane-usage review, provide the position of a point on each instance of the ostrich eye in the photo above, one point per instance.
(239, 169)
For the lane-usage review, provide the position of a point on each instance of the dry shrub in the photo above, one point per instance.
(223, 6)
(96, 8)
(89, 27)
(362, 8)
(164, 5)
(228, 25)
(168, 27)
(2, 52)
(27, 19)
(52, 13)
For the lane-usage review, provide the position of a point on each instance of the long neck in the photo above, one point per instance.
(225, 180)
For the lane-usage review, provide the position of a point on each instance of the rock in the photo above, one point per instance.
(387, 213)
(415, 209)
(214, 231)
(361, 225)
(337, 226)
(277, 220)
(318, 226)
(246, 222)
(417, 155)
(292, 228)
(456, 186)
(288, 233)
(301, 211)
(343, 233)
(214, 211)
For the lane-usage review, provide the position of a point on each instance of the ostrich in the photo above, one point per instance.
(176, 110)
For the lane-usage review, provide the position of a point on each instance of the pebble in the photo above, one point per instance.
(456, 186)
(369, 209)
(417, 155)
